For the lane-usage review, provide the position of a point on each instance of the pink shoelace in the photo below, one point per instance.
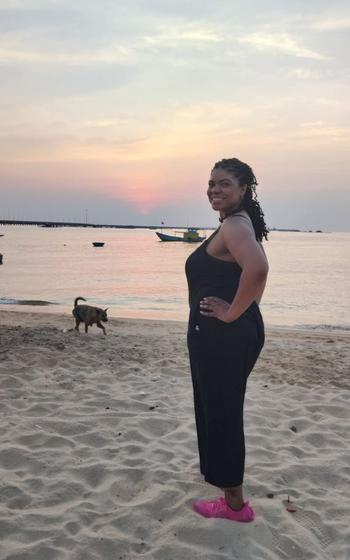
(218, 505)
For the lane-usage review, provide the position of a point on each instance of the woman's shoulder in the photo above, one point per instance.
(238, 227)
(238, 221)
(240, 214)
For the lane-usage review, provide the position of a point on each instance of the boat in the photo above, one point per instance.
(191, 235)
(98, 243)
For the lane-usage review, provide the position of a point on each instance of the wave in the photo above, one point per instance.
(325, 327)
(320, 327)
(11, 301)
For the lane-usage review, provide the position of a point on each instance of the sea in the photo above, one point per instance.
(137, 276)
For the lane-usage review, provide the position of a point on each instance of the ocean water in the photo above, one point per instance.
(136, 275)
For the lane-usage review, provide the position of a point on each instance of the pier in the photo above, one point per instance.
(49, 224)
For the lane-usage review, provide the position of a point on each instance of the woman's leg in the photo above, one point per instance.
(230, 355)
(193, 344)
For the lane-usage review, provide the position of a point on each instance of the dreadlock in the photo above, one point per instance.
(250, 203)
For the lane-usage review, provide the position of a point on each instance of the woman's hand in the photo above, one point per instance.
(215, 307)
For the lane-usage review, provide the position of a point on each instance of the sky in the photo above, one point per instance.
(116, 111)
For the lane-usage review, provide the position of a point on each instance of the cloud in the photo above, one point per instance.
(303, 74)
(324, 132)
(50, 84)
(12, 53)
(56, 47)
(173, 35)
(331, 24)
(279, 42)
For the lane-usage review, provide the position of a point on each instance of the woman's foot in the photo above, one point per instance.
(219, 508)
(234, 497)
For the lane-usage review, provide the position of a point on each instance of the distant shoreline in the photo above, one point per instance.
(50, 224)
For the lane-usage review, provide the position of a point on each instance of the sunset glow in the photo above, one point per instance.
(134, 105)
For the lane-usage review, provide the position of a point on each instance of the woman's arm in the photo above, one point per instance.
(241, 243)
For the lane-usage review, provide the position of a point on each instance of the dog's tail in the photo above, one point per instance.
(77, 299)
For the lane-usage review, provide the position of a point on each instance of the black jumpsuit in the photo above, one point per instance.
(222, 355)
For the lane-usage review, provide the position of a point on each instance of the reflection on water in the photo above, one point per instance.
(137, 275)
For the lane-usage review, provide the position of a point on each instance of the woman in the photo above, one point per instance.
(226, 278)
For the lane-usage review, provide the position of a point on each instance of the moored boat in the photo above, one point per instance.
(98, 243)
(191, 235)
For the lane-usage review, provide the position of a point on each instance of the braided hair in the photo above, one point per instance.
(250, 203)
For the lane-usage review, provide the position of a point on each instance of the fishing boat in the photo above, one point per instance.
(191, 235)
(98, 243)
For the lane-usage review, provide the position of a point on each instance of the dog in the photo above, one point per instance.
(89, 315)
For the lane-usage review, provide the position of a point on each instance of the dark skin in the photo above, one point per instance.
(235, 242)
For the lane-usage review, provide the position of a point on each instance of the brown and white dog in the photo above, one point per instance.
(89, 315)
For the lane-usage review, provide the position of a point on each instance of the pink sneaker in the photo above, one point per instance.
(220, 509)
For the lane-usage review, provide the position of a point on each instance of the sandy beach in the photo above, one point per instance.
(98, 451)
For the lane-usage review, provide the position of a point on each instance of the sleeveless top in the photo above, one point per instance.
(211, 276)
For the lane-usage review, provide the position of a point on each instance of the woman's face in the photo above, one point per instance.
(224, 191)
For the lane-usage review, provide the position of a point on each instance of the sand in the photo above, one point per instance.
(98, 451)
